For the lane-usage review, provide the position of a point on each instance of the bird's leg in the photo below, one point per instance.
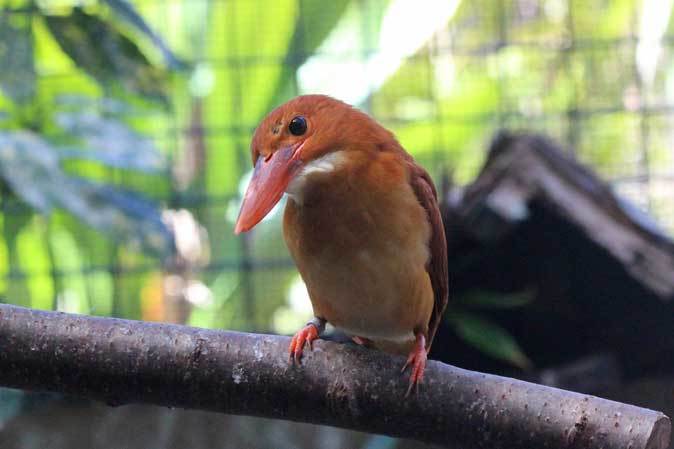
(307, 334)
(416, 360)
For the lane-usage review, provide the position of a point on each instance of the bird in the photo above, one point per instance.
(361, 222)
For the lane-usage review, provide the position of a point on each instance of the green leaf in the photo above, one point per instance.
(32, 258)
(241, 92)
(124, 215)
(17, 77)
(127, 12)
(489, 300)
(16, 290)
(31, 167)
(489, 338)
(4, 257)
(111, 143)
(107, 55)
(68, 258)
(316, 21)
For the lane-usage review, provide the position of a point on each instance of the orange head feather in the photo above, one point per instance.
(294, 134)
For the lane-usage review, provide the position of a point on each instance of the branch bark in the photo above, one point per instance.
(121, 362)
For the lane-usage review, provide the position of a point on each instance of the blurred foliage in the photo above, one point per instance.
(124, 108)
(465, 318)
(111, 58)
(31, 168)
(59, 145)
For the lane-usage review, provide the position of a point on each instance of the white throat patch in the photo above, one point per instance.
(324, 164)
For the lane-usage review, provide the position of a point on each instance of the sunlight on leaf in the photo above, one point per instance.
(72, 288)
(33, 260)
(126, 11)
(317, 20)
(223, 288)
(241, 93)
(4, 256)
(355, 80)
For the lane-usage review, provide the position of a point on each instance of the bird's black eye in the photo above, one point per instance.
(297, 126)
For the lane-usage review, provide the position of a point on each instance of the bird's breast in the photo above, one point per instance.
(360, 240)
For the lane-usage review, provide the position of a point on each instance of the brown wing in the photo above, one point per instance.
(437, 265)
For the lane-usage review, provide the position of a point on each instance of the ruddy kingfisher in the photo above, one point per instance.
(361, 222)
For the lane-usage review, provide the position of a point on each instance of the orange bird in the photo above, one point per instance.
(362, 224)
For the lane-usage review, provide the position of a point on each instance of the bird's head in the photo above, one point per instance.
(293, 135)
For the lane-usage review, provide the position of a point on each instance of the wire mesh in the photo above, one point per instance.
(567, 68)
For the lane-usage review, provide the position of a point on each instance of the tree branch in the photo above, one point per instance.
(120, 362)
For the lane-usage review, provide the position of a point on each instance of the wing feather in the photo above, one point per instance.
(423, 187)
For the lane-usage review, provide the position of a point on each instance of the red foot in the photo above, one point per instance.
(362, 341)
(307, 334)
(417, 360)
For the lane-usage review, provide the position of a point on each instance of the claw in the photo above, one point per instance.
(416, 360)
(307, 334)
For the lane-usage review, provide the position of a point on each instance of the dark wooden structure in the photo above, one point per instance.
(602, 271)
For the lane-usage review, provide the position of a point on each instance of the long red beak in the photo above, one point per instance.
(271, 177)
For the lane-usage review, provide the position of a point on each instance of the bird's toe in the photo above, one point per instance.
(304, 336)
(417, 361)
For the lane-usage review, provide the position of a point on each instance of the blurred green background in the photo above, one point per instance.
(125, 127)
